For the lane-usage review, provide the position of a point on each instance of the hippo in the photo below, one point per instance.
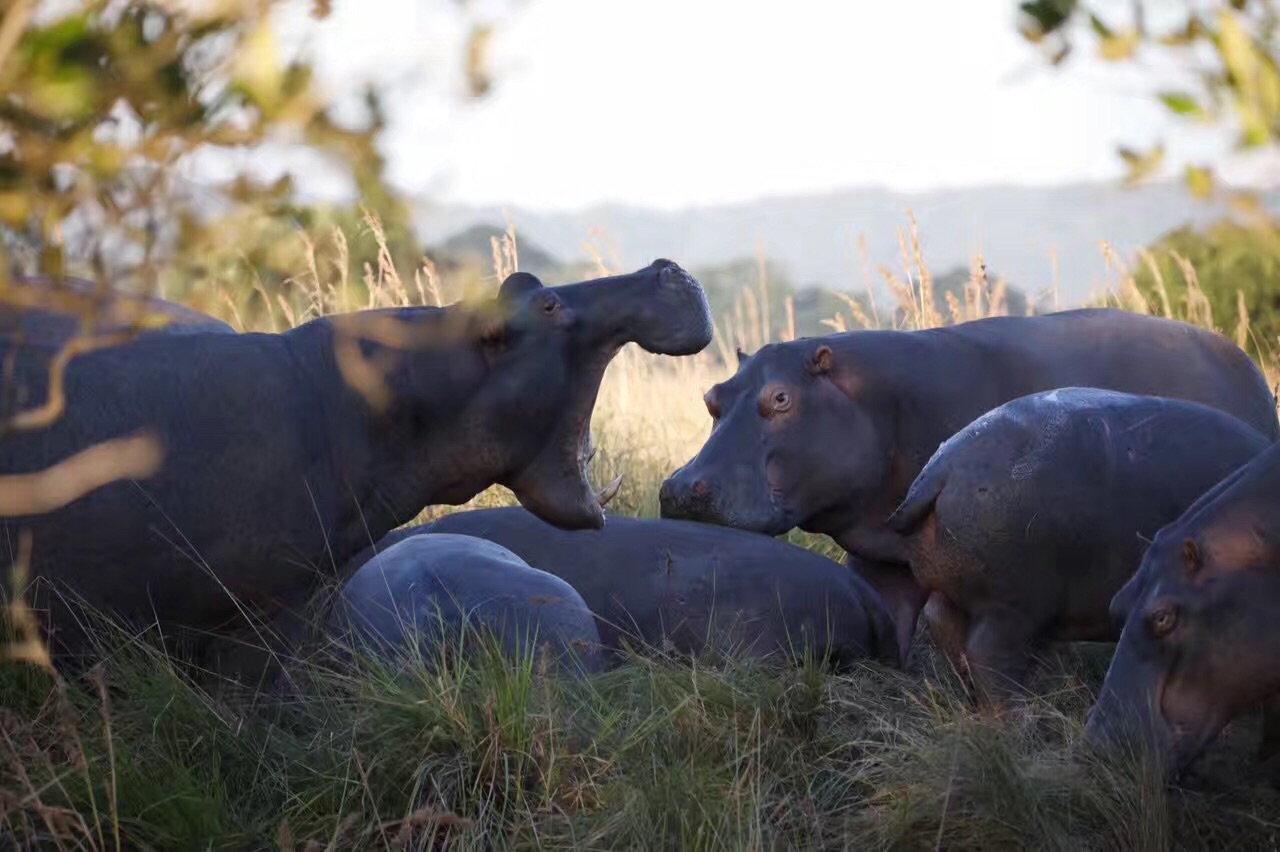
(1026, 522)
(40, 312)
(690, 587)
(285, 454)
(1200, 644)
(412, 598)
(828, 433)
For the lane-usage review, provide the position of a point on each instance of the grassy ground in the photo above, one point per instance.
(658, 754)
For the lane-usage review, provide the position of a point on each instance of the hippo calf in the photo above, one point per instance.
(828, 433)
(431, 591)
(1025, 523)
(693, 588)
(1201, 643)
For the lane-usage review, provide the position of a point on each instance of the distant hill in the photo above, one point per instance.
(814, 238)
(473, 247)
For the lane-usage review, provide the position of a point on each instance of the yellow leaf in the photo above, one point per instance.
(1114, 48)
(257, 67)
(14, 207)
(1199, 181)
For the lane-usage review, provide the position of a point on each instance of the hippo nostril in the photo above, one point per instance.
(700, 488)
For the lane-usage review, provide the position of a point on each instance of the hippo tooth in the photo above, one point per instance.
(609, 491)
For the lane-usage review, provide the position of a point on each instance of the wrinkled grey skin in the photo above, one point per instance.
(112, 312)
(1025, 523)
(692, 587)
(1201, 643)
(433, 590)
(828, 433)
(277, 470)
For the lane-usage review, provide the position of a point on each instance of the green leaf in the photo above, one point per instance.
(1182, 103)
(1099, 26)
(1046, 16)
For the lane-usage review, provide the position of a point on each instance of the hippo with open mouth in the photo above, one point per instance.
(272, 459)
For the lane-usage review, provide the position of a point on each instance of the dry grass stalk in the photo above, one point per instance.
(868, 284)
(1158, 277)
(1242, 320)
(427, 271)
(751, 330)
(1199, 311)
(27, 646)
(762, 277)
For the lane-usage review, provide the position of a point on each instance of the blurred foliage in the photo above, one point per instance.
(1230, 47)
(1235, 267)
(104, 104)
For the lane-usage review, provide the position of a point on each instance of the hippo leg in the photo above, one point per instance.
(902, 596)
(1269, 746)
(998, 652)
(949, 628)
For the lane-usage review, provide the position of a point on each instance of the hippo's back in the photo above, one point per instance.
(423, 590)
(1123, 351)
(49, 322)
(649, 576)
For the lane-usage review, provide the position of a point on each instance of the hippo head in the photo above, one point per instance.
(509, 398)
(792, 438)
(1199, 643)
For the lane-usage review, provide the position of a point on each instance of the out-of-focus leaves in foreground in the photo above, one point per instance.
(1240, 81)
(104, 102)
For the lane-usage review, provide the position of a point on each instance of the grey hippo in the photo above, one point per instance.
(1201, 644)
(1026, 522)
(429, 593)
(693, 588)
(828, 433)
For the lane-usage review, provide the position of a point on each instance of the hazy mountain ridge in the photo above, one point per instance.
(814, 238)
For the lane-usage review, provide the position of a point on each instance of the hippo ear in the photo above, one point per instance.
(1191, 555)
(820, 360)
(518, 284)
(742, 356)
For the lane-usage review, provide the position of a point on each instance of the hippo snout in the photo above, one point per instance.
(681, 324)
(686, 497)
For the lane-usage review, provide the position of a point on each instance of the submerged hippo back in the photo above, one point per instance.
(427, 592)
(693, 587)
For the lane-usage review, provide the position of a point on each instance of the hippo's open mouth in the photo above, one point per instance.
(556, 487)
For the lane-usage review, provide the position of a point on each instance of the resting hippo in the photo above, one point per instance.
(434, 589)
(1200, 642)
(1025, 523)
(285, 454)
(42, 312)
(828, 433)
(694, 587)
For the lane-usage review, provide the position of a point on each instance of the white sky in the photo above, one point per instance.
(670, 103)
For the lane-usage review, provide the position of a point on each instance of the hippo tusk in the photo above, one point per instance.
(604, 495)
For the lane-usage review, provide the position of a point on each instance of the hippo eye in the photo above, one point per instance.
(1162, 621)
(550, 306)
(781, 400)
